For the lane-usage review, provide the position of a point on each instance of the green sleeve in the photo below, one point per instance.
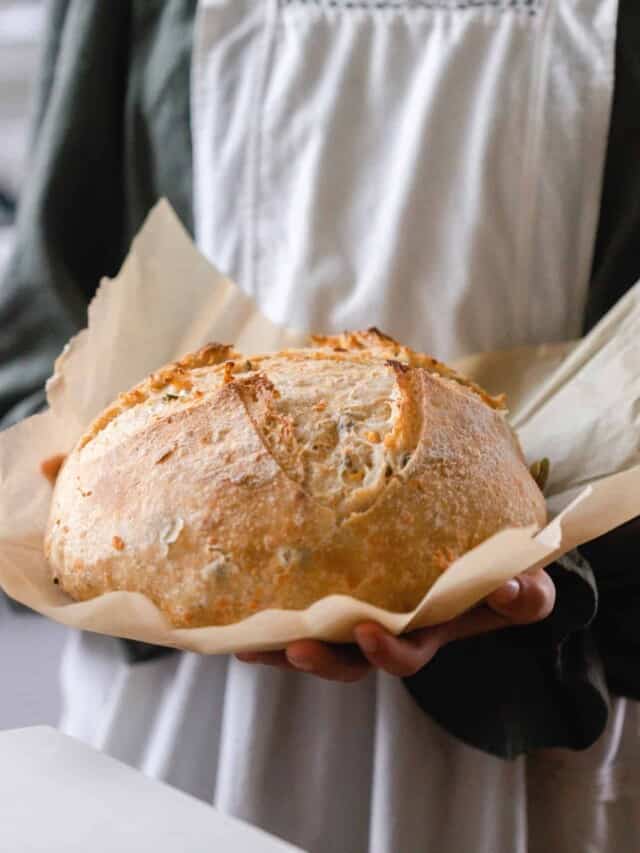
(111, 136)
(69, 226)
(530, 687)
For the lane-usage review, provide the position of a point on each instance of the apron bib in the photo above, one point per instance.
(433, 168)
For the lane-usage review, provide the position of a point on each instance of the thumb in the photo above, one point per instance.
(504, 598)
(525, 599)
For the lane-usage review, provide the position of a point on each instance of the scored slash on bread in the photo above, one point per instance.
(223, 485)
(376, 342)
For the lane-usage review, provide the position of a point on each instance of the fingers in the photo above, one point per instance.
(522, 601)
(338, 663)
(526, 599)
(334, 662)
(480, 620)
(278, 659)
(401, 656)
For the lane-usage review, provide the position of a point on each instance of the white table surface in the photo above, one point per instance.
(30, 656)
(60, 796)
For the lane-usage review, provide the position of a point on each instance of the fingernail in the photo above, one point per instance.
(507, 593)
(300, 663)
(368, 642)
(247, 657)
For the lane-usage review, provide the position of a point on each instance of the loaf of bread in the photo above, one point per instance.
(224, 485)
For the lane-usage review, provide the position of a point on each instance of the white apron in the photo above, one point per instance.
(433, 168)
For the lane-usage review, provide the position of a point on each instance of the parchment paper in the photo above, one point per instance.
(577, 404)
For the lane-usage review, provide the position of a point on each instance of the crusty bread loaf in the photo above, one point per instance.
(223, 485)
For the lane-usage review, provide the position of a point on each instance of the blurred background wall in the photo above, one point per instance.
(30, 646)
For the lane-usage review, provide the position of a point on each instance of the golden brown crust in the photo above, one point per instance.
(228, 496)
(175, 375)
(374, 341)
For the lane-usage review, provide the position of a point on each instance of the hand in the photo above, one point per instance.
(528, 599)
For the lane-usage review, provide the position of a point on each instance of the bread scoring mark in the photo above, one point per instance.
(177, 382)
(326, 443)
(275, 430)
(378, 344)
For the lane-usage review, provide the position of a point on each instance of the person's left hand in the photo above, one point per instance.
(528, 599)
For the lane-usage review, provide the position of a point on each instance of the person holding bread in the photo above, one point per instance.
(462, 176)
